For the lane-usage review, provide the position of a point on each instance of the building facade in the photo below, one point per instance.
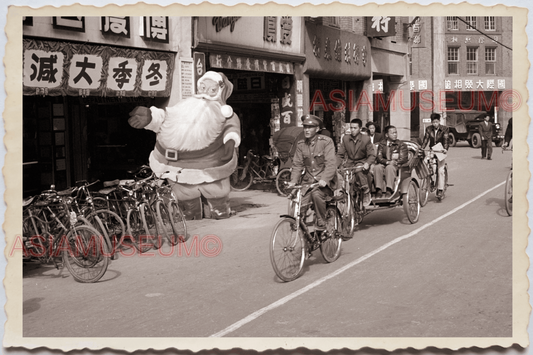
(82, 76)
(460, 63)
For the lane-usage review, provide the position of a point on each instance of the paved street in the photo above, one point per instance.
(450, 278)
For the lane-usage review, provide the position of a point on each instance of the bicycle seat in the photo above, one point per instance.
(267, 157)
(107, 190)
(111, 183)
(27, 201)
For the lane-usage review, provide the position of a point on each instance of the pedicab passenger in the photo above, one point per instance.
(392, 153)
(316, 154)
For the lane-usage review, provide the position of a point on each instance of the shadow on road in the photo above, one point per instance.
(31, 305)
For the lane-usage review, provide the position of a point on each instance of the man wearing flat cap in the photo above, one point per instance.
(316, 154)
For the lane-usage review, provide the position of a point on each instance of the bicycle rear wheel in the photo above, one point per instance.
(87, 255)
(509, 194)
(287, 249)
(172, 221)
(239, 182)
(282, 180)
(331, 247)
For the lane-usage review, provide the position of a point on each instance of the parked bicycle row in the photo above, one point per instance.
(83, 229)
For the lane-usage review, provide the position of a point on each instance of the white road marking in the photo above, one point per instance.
(318, 282)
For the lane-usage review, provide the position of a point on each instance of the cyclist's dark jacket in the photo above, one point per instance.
(440, 136)
(356, 150)
(318, 158)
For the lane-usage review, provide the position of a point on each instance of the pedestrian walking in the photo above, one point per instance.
(485, 130)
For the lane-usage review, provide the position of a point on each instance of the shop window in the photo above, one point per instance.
(451, 23)
(490, 24)
(490, 61)
(471, 60)
(453, 60)
(471, 23)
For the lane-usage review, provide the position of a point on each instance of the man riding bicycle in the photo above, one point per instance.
(357, 149)
(437, 133)
(316, 154)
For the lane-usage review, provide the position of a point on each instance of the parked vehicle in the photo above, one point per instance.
(463, 126)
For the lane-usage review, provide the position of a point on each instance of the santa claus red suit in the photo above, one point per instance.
(195, 145)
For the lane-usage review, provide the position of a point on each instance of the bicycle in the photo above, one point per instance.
(351, 212)
(50, 222)
(294, 239)
(260, 170)
(107, 222)
(431, 182)
(508, 195)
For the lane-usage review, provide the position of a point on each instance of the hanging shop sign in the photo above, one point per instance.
(333, 53)
(71, 23)
(380, 26)
(237, 62)
(59, 68)
(417, 35)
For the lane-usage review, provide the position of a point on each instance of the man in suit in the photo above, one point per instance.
(392, 153)
(485, 130)
(316, 154)
(356, 149)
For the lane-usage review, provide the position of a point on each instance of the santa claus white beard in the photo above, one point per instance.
(191, 124)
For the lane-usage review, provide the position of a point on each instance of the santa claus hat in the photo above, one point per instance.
(226, 88)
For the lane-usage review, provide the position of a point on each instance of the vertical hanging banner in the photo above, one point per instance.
(59, 68)
(186, 77)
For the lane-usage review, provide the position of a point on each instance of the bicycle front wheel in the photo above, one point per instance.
(287, 249)
(151, 227)
(87, 255)
(240, 182)
(331, 247)
(424, 191)
(137, 232)
(111, 225)
(282, 180)
(509, 194)
(172, 221)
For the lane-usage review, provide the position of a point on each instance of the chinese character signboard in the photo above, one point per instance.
(156, 28)
(228, 61)
(71, 23)
(116, 25)
(417, 34)
(59, 68)
(380, 26)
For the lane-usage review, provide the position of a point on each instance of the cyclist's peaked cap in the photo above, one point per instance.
(311, 120)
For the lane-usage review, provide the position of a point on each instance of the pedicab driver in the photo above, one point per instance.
(316, 154)
(437, 133)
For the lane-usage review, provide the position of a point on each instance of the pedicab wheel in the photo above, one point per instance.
(331, 247)
(287, 250)
(87, 256)
(509, 194)
(424, 191)
(239, 182)
(411, 202)
(282, 180)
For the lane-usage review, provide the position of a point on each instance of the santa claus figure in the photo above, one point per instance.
(195, 145)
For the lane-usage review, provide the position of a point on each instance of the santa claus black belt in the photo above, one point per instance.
(175, 155)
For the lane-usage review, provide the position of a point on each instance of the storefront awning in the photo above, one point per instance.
(62, 68)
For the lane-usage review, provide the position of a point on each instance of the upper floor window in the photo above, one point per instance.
(451, 23)
(471, 23)
(471, 60)
(490, 61)
(490, 24)
(453, 60)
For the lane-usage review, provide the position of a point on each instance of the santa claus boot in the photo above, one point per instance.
(192, 209)
(219, 207)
